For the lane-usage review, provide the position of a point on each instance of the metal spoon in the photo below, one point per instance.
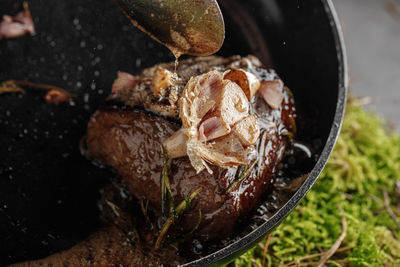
(193, 27)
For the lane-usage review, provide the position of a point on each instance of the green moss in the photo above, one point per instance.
(365, 161)
(367, 252)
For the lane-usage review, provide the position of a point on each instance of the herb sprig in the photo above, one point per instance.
(179, 210)
(241, 174)
(165, 185)
(174, 212)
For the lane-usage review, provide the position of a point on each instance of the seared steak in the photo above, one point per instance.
(128, 131)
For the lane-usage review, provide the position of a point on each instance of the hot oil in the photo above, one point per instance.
(177, 54)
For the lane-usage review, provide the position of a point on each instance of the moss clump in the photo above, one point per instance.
(365, 162)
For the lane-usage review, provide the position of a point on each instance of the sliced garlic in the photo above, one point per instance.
(248, 130)
(213, 128)
(175, 145)
(246, 80)
(233, 104)
(272, 92)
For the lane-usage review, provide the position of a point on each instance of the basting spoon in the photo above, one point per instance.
(192, 27)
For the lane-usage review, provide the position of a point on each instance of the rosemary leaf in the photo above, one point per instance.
(243, 175)
(198, 223)
(171, 201)
(164, 181)
(187, 200)
(170, 221)
(182, 206)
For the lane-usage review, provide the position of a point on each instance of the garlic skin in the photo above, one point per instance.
(162, 79)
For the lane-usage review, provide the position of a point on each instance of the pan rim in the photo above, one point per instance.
(254, 237)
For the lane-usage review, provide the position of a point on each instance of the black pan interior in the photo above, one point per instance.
(48, 191)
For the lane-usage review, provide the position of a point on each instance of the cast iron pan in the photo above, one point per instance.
(48, 191)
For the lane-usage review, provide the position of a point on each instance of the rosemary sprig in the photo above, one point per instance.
(242, 175)
(179, 210)
(187, 236)
(170, 196)
(239, 171)
(165, 186)
(144, 209)
(197, 224)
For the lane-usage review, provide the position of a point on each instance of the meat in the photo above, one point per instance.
(127, 134)
(124, 82)
(143, 95)
(107, 247)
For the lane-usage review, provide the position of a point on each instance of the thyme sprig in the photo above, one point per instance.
(241, 175)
